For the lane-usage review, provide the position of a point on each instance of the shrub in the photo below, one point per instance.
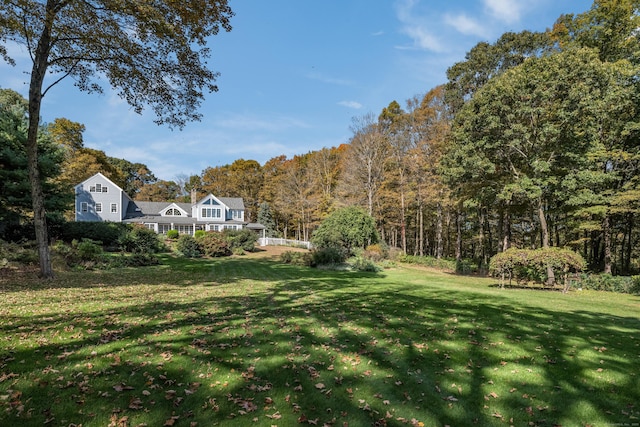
(134, 260)
(199, 234)
(88, 250)
(361, 263)
(327, 256)
(345, 229)
(19, 253)
(429, 261)
(526, 264)
(244, 239)
(609, 283)
(173, 234)
(107, 233)
(214, 244)
(466, 266)
(189, 247)
(140, 239)
(238, 251)
(376, 252)
(297, 258)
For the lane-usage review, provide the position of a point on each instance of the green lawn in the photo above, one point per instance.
(248, 341)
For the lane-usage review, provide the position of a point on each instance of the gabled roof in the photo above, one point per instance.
(137, 209)
(103, 177)
(230, 202)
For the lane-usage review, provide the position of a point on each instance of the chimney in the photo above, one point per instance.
(194, 196)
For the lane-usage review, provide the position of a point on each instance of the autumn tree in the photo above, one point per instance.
(242, 178)
(364, 162)
(158, 191)
(153, 54)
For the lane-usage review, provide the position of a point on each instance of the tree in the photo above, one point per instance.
(364, 162)
(154, 54)
(158, 191)
(527, 130)
(15, 192)
(346, 228)
(134, 175)
(266, 218)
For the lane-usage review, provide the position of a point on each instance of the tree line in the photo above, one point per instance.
(533, 142)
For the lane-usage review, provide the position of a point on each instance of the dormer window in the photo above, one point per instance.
(173, 212)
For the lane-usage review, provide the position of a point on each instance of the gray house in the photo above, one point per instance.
(99, 199)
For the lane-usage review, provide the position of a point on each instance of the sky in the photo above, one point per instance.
(294, 74)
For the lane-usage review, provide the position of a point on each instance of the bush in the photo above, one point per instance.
(214, 244)
(25, 253)
(609, 283)
(141, 240)
(376, 252)
(327, 256)
(244, 239)
(173, 234)
(466, 266)
(107, 233)
(189, 247)
(531, 265)
(86, 254)
(297, 258)
(345, 229)
(135, 260)
(361, 263)
(89, 250)
(199, 234)
(429, 261)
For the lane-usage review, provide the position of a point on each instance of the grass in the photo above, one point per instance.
(248, 341)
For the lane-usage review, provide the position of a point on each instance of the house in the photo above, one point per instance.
(100, 199)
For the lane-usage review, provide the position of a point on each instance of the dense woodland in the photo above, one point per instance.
(534, 141)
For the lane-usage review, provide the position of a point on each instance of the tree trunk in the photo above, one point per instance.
(458, 236)
(38, 72)
(606, 239)
(544, 231)
(421, 229)
(439, 231)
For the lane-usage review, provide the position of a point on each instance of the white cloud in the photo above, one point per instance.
(415, 27)
(508, 11)
(253, 123)
(466, 25)
(351, 104)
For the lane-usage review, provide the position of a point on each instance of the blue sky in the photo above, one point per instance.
(293, 75)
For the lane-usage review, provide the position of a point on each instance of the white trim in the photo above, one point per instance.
(163, 212)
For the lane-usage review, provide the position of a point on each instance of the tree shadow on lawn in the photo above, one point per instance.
(320, 347)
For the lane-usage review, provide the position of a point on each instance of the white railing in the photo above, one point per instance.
(272, 241)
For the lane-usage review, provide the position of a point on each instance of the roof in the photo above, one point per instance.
(137, 209)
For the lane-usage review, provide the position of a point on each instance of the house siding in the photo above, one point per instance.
(99, 199)
(152, 214)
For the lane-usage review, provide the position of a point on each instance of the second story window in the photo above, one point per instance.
(173, 212)
(211, 213)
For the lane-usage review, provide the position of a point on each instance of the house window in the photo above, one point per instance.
(211, 213)
(184, 229)
(104, 189)
(173, 212)
(114, 207)
(98, 207)
(236, 214)
(163, 228)
(150, 226)
(92, 189)
(84, 207)
(98, 188)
